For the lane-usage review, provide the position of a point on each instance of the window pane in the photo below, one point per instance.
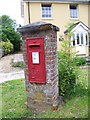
(86, 39)
(46, 11)
(73, 7)
(22, 9)
(74, 40)
(73, 11)
(81, 38)
(46, 5)
(74, 43)
(77, 38)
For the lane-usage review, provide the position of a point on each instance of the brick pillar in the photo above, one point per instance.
(40, 96)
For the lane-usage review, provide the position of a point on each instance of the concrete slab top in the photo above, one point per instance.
(37, 26)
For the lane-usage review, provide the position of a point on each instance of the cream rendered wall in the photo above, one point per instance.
(83, 13)
(87, 50)
(25, 14)
(60, 19)
(60, 15)
(57, 19)
(89, 15)
(35, 12)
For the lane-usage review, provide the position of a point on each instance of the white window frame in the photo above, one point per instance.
(86, 43)
(46, 10)
(73, 12)
(73, 42)
(22, 8)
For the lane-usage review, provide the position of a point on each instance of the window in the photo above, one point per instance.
(81, 38)
(73, 39)
(86, 39)
(73, 11)
(73, 42)
(78, 39)
(46, 11)
(22, 8)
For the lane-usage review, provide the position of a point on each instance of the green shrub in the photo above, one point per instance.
(18, 64)
(7, 47)
(67, 73)
(79, 61)
(14, 38)
(7, 32)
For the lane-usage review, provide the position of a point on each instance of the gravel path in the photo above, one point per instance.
(7, 72)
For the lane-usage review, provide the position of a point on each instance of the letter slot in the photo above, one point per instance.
(34, 45)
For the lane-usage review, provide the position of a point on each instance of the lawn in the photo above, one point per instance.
(14, 98)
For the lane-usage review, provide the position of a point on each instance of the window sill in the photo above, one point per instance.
(86, 45)
(47, 18)
(74, 18)
(82, 45)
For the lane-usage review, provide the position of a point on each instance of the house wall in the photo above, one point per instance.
(83, 13)
(60, 15)
(89, 15)
(87, 50)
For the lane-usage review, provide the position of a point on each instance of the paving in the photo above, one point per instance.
(18, 58)
(7, 72)
(11, 76)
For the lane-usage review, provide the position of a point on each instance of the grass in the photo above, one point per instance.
(77, 105)
(14, 98)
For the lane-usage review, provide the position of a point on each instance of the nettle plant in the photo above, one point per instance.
(66, 69)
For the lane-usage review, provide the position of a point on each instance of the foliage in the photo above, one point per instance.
(3, 36)
(6, 22)
(14, 38)
(18, 64)
(77, 106)
(79, 61)
(7, 32)
(70, 26)
(66, 69)
(7, 47)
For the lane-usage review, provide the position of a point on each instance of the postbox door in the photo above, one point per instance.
(36, 60)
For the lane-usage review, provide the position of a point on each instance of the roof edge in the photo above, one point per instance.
(37, 26)
(57, 1)
(74, 25)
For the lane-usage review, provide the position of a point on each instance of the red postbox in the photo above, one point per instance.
(36, 60)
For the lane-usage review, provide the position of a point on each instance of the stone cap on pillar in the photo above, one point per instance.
(37, 26)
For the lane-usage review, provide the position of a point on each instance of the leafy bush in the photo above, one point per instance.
(66, 69)
(79, 61)
(7, 47)
(18, 64)
(3, 36)
(7, 32)
(14, 38)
